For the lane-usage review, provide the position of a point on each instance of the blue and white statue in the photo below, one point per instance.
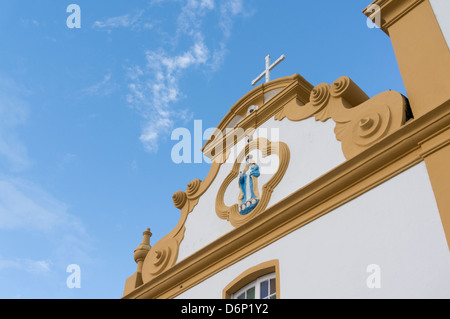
(248, 183)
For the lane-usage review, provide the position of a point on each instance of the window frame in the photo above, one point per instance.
(254, 276)
(257, 285)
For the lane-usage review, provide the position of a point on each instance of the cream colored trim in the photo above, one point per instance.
(267, 148)
(251, 275)
(392, 11)
(435, 143)
(424, 60)
(421, 50)
(293, 87)
(360, 122)
(386, 159)
(256, 97)
(164, 253)
(436, 153)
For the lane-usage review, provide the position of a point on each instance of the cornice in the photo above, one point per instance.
(384, 160)
(360, 121)
(391, 11)
(291, 86)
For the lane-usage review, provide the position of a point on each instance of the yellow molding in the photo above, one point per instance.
(379, 163)
(435, 142)
(391, 11)
(436, 154)
(360, 121)
(251, 275)
(164, 253)
(421, 51)
(256, 96)
(292, 87)
(232, 213)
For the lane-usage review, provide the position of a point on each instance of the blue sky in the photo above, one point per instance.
(86, 116)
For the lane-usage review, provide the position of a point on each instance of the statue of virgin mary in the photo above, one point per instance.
(248, 183)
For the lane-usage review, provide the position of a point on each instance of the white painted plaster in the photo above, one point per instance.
(269, 95)
(203, 226)
(313, 148)
(441, 10)
(395, 226)
(314, 151)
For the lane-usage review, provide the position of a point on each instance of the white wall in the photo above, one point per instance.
(203, 226)
(396, 226)
(314, 151)
(441, 9)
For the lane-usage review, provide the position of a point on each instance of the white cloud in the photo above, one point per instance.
(13, 113)
(229, 10)
(117, 22)
(26, 209)
(27, 265)
(103, 88)
(133, 21)
(154, 88)
(24, 205)
(191, 16)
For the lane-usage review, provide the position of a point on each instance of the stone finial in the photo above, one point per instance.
(142, 250)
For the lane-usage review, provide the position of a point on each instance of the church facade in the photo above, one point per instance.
(358, 207)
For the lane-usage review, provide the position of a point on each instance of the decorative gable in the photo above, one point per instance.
(306, 147)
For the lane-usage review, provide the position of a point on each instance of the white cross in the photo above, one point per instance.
(269, 68)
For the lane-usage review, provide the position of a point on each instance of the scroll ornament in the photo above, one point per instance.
(164, 254)
(360, 121)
